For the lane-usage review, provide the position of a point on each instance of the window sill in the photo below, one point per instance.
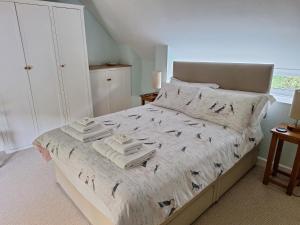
(283, 95)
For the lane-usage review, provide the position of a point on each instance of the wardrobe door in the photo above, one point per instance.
(15, 98)
(73, 59)
(38, 42)
(100, 82)
(120, 90)
(116, 91)
(126, 83)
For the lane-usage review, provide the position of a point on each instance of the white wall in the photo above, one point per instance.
(193, 27)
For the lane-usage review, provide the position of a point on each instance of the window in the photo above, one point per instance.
(284, 82)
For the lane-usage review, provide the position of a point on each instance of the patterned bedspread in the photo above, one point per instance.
(191, 154)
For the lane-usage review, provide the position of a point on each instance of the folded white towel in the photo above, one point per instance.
(86, 121)
(84, 129)
(93, 135)
(122, 138)
(124, 162)
(125, 149)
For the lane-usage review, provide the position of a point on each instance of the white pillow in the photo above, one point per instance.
(189, 84)
(175, 97)
(228, 109)
(261, 109)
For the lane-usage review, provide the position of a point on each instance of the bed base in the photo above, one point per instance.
(186, 214)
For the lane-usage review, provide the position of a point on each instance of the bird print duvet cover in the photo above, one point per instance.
(190, 155)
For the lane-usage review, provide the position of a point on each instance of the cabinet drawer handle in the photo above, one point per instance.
(109, 79)
(28, 67)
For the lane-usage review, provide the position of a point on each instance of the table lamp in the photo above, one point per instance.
(295, 112)
(156, 80)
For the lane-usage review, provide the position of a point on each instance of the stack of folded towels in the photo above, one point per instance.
(87, 129)
(123, 150)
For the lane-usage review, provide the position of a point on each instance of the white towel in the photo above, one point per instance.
(86, 121)
(122, 138)
(93, 135)
(125, 149)
(84, 129)
(124, 162)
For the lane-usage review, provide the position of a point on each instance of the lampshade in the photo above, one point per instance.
(295, 108)
(156, 80)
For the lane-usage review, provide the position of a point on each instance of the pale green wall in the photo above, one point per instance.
(148, 67)
(128, 56)
(100, 45)
(161, 60)
(158, 64)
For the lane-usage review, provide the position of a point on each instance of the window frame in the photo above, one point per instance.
(284, 95)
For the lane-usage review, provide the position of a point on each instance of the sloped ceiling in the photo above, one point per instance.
(142, 24)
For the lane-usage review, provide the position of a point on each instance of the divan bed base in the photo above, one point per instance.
(186, 214)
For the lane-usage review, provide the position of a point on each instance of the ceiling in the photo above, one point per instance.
(190, 24)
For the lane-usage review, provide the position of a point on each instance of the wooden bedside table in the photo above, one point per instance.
(276, 145)
(149, 97)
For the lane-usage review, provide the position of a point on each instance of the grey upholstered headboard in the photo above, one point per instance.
(232, 76)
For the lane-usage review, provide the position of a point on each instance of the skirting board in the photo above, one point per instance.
(13, 150)
(263, 161)
(4, 158)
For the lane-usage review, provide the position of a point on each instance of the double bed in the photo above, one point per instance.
(196, 161)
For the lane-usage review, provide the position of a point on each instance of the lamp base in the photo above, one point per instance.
(293, 128)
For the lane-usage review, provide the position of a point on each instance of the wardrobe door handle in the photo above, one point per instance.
(109, 79)
(28, 67)
(62, 65)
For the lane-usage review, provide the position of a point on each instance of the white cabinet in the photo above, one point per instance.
(120, 89)
(15, 96)
(100, 92)
(44, 81)
(111, 89)
(37, 38)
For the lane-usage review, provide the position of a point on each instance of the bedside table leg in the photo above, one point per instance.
(277, 157)
(298, 178)
(294, 173)
(272, 150)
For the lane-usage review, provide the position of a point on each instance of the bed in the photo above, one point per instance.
(186, 175)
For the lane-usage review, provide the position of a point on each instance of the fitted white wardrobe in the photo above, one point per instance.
(44, 78)
(111, 88)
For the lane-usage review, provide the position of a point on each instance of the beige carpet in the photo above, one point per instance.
(30, 196)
